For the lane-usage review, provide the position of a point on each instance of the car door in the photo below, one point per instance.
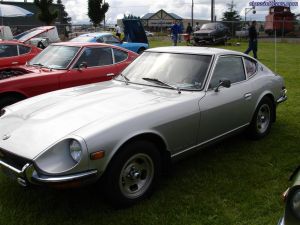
(230, 108)
(95, 64)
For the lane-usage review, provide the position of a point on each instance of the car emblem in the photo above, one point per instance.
(5, 137)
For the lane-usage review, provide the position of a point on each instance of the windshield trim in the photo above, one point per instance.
(182, 89)
(71, 62)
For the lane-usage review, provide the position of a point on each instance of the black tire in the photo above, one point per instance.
(141, 50)
(132, 174)
(262, 119)
(8, 100)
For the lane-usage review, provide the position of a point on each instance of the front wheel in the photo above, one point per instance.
(132, 174)
(262, 120)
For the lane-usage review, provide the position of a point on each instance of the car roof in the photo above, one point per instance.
(95, 34)
(82, 44)
(194, 50)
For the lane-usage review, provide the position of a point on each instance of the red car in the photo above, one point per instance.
(62, 65)
(14, 53)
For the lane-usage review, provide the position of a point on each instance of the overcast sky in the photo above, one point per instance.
(77, 9)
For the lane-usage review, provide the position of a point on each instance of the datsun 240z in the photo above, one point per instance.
(124, 132)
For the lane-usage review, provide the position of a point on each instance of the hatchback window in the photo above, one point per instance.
(96, 57)
(251, 66)
(23, 49)
(120, 55)
(228, 68)
(8, 50)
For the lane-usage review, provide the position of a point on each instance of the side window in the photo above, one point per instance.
(8, 50)
(110, 39)
(100, 40)
(120, 55)
(251, 67)
(228, 68)
(96, 57)
(23, 49)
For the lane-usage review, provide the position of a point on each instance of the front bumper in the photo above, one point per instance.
(28, 175)
(283, 96)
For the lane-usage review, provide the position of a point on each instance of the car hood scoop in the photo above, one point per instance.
(37, 123)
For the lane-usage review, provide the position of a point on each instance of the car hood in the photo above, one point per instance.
(36, 124)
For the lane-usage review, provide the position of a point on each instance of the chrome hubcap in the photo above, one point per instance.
(263, 118)
(136, 175)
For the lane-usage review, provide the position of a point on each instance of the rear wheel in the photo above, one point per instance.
(132, 174)
(262, 120)
(141, 50)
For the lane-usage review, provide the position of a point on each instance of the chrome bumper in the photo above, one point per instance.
(283, 97)
(28, 175)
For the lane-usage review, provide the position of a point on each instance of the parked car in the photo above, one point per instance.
(39, 36)
(243, 33)
(168, 102)
(111, 39)
(14, 53)
(62, 65)
(292, 201)
(211, 33)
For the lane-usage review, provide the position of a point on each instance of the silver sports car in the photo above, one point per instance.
(168, 102)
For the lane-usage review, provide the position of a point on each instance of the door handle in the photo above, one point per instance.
(14, 63)
(248, 96)
(110, 74)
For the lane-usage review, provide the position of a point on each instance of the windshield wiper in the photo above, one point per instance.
(37, 64)
(125, 78)
(159, 82)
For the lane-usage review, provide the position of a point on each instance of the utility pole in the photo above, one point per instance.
(192, 13)
(212, 14)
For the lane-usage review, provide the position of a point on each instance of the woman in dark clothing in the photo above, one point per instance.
(189, 31)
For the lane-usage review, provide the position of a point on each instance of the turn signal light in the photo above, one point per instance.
(97, 155)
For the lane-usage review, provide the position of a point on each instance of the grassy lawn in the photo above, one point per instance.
(233, 183)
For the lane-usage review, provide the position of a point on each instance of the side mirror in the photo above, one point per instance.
(82, 65)
(223, 83)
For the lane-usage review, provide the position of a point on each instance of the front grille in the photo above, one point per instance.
(12, 159)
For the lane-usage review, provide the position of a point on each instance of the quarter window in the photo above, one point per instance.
(96, 57)
(228, 68)
(251, 67)
(120, 55)
(23, 49)
(111, 39)
(8, 50)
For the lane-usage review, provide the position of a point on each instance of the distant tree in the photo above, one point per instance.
(45, 14)
(96, 11)
(130, 16)
(65, 16)
(232, 17)
(231, 14)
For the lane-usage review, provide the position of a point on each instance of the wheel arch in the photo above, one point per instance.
(272, 98)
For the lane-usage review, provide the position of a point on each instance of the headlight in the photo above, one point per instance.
(295, 203)
(75, 150)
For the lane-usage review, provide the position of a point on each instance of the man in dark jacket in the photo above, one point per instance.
(252, 40)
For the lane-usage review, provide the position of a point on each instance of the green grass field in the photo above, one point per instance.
(233, 183)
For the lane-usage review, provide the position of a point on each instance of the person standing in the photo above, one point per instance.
(118, 31)
(189, 31)
(197, 26)
(252, 40)
(174, 33)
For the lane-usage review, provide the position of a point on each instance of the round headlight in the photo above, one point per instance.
(75, 150)
(296, 203)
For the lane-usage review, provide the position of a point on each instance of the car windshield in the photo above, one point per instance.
(208, 26)
(30, 34)
(82, 39)
(182, 71)
(55, 57)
